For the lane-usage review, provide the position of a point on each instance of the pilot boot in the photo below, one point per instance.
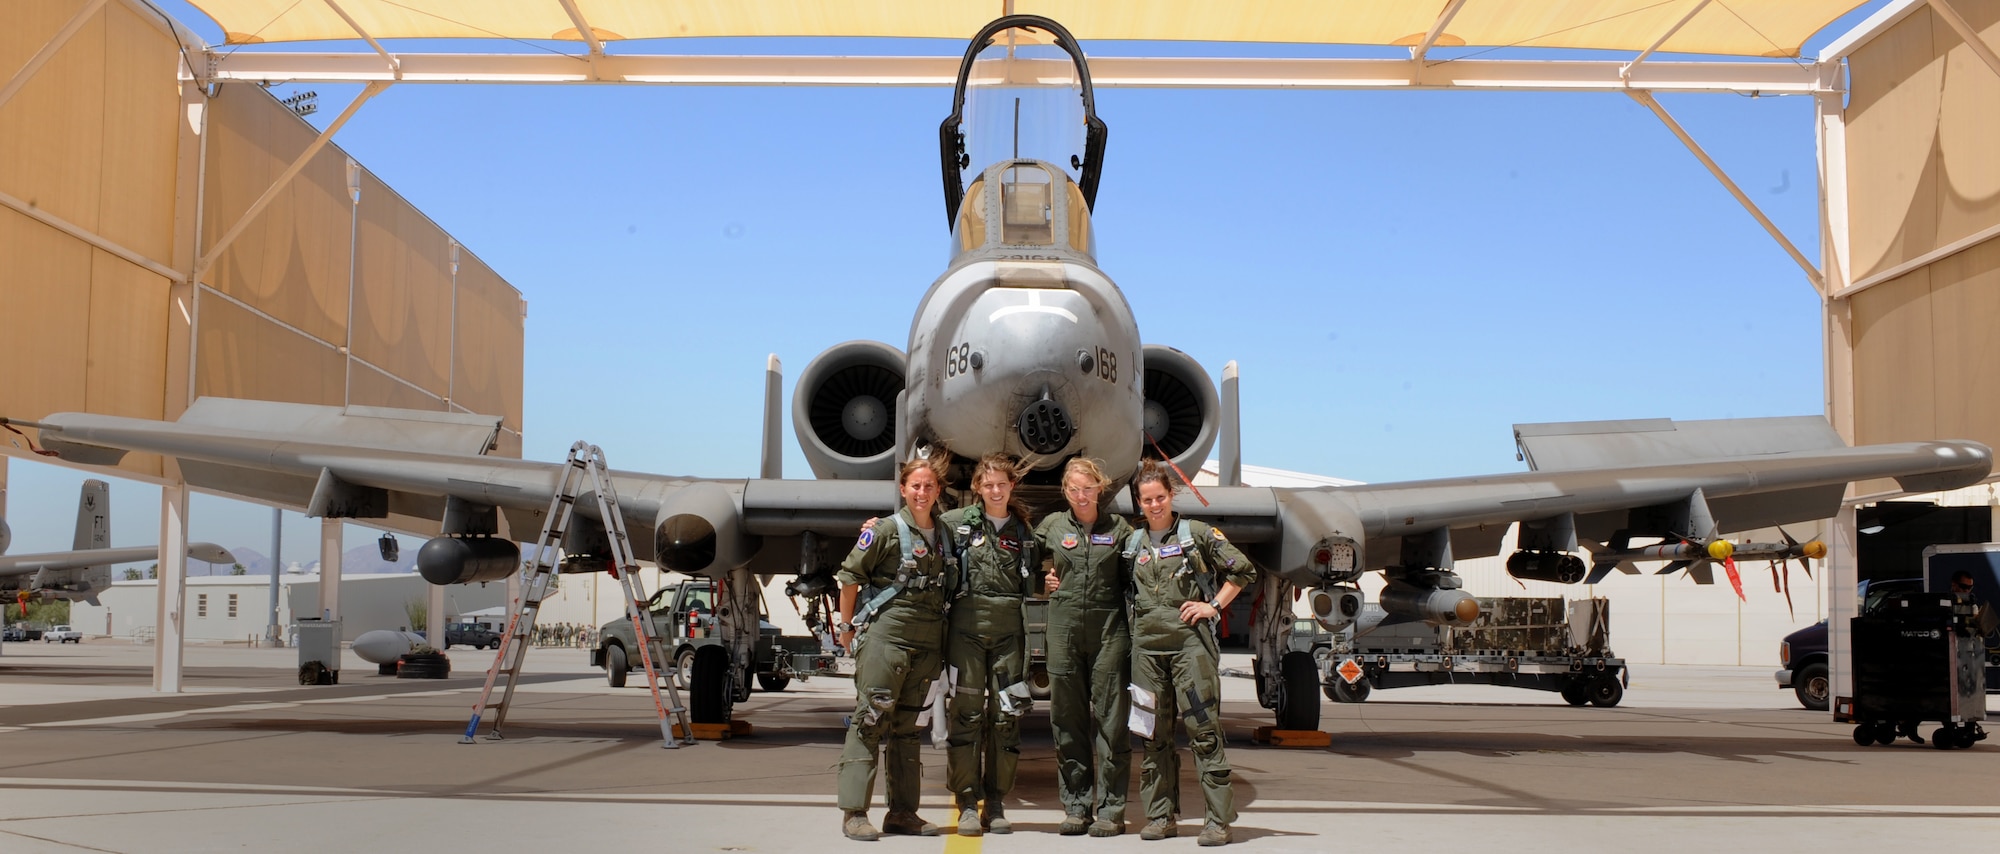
(854, 825)
(1214, 834)
(900, 823)
(968, 822)
(1160, 828)
(1104, 827)
(994, 817)
(1073, 825)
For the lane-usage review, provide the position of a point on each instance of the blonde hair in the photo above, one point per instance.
(1087, 468)
(936, 463)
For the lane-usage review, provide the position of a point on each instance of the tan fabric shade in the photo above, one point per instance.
(1774, 28)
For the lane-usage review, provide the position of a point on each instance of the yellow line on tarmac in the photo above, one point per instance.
(956, 844)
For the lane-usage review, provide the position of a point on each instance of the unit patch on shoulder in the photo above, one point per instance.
(867, 539)
(1069, 541)
(1218, 534)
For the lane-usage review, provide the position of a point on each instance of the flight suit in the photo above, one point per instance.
(1179, 664)
(1090, 663)
(897, 657)
(987, 644)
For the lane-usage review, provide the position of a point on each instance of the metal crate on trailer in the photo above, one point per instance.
(1916, 659)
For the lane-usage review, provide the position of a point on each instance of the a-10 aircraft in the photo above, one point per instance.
(80, 574)
(1025, 346)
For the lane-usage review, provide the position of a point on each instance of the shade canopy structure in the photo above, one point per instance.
(1766, 28)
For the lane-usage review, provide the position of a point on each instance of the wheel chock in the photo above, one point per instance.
(1291, 739)
(716, 732)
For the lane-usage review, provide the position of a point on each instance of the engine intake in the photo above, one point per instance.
(1181, 407)
(844, 410)
(700, 529)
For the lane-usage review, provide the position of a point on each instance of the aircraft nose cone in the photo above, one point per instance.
(1045, 426)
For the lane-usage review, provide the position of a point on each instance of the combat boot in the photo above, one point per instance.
(900, 823)
(1073, 825)
(854, 825)
(1214, 834)
(995, 818)
(1104, 827)
(1160, 828)
(968, 822)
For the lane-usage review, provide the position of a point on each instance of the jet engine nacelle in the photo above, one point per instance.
(464, 560)
(1181, 410)
(6, 536)
(844, 410)
(700, 530)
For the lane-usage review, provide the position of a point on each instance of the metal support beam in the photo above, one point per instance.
(1842, 573)
(1924, 260)
(1437, 29)
(48, 50)
(1966, 32)
(395, 68)
(330, 542)
(207, 261)
(37, 213)
(1651, 103)
(1766, 77)
(169, 633)
(1626, 72)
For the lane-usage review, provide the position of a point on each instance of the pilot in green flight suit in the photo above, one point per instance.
(1177, 567)
(1090, 646)
(987, 647)
(899, 576)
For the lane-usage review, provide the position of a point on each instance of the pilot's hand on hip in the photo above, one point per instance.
(1195, 612)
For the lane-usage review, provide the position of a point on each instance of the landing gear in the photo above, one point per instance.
(711, 697)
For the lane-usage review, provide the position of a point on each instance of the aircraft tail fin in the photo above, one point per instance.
(93, 516)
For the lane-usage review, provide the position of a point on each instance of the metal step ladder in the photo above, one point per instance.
(585, 469)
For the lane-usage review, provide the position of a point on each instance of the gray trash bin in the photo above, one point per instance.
(319, 651)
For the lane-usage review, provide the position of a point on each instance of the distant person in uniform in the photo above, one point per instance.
(1985, 618)
(894, 585)
(1184, 575)
(1089, 654)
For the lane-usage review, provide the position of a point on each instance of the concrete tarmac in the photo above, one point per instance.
(248, 760)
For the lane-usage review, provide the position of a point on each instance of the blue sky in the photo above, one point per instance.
(1402, 276)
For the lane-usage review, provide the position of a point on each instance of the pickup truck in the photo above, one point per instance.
(62, 634)
(470, 634)
(684, 613)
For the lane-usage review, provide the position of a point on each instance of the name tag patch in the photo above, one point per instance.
(1100, 539)
(1170, 550)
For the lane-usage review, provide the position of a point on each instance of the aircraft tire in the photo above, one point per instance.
(710, 695)
(1301, 708)
(615, 666)
(773, 682)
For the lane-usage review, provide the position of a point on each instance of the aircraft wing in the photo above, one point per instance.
(13, 565)
(398, 469)
(1592, 480)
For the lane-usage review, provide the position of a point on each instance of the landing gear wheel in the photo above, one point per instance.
(1301, 707)
(710, 695)
(1576, 692)
(1813, 686)
(1605, 692)
(773, 682)
(684, 668)
(615, 666)
(1340, 692)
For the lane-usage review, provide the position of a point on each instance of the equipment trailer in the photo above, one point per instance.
(1517, 642)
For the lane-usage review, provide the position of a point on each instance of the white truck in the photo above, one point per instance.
(62, 634)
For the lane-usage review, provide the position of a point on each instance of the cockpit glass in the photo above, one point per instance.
(1022, 99)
